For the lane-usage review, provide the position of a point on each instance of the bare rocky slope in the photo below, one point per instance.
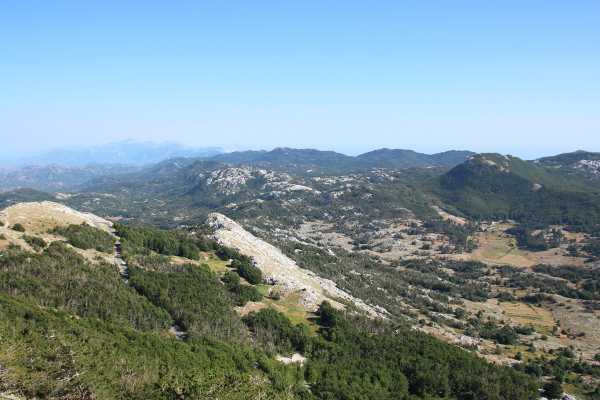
(281, 270)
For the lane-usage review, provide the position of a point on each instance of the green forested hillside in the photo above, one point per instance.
(387, 158)
(566, 159)
(23, 195)
(71, 327)
(52, 354)
(504, 187)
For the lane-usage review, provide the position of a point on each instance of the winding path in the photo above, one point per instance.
(175, 329)
(121, 263)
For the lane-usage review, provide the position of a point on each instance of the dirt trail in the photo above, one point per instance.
(118, 259)
(121, 263)
(175, 329)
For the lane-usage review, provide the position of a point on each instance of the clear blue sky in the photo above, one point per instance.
(518, 77)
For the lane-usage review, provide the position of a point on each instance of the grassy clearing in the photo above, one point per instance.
(543, 329)
(216, 265)
(498, 254)
(523, 313)
(573, 390)
(289, 306)
(495, 253)
(500, 249)
(525, 317)
(262, 289)
(295, 313)
(511, 351)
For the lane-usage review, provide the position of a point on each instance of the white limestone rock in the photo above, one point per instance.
(277, 267)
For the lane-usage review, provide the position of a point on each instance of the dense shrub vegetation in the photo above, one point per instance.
(162, 242)
(353, 363)
(60, 278)
(86, 237)
(90, 317)
(248, 271)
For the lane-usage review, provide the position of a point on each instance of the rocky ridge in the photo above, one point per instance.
(232, 180)
(281, 270)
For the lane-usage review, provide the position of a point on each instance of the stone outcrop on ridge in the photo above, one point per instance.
(277, 268)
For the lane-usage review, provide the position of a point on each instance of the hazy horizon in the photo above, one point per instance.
(7, 158)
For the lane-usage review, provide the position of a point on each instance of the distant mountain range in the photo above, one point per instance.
(56, 178)
(134, 163)
(128, 151)
(557, 189)
(297, 161)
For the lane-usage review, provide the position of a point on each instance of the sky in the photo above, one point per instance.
(515, 77)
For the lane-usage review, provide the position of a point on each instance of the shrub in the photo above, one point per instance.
(34, 241)
(288, 336)
(231, 278)
(86, 237)
(18, 228)
(245, 293)
(553, 390)
(248, 271)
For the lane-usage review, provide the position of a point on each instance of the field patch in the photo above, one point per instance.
(516, 260)
(292, 310)
(526, 314)
(500, 249)
(504, 256)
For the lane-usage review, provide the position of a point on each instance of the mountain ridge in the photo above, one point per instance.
(492, 185)
(277, 268)
(128, 151)
(301, 162)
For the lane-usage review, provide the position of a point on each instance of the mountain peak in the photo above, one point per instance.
(500, 161)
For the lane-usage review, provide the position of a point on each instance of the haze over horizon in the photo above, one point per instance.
(518, 79)
(18, 160)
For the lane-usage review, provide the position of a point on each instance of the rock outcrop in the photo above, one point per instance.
(277, 268)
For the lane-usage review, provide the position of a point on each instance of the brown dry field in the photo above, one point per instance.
(525, 314)
(39, 217)
(249, 307)
(497, 247)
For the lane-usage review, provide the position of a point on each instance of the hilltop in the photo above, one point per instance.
(495, 186)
